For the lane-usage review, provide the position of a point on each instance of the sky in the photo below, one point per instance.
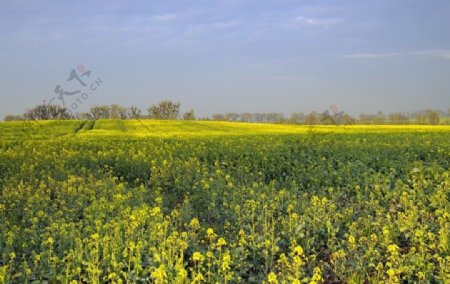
(362, 56)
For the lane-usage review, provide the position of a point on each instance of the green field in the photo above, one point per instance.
(113, 201)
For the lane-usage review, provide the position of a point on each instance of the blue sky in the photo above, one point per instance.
(230, 55)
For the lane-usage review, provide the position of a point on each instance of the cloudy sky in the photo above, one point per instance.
(227, 55)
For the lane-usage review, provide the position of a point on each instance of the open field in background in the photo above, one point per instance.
(167, 128)
(113, 201)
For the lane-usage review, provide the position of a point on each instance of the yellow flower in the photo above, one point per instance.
(160, 273)
(198, 278)
(421, 275)
(298, 250)
(338, 255)
(297, 261)
(194, 224)
(283, 260)
(221, 242)
(393, 249)
(272, 278)
(317, 277)
(155, 211)
(210, 232)
(181, 275)
(373, 238)
(226, 262)
(391, 272)
(197, 256)
(50, 241)
(112, 275)
(352, 242)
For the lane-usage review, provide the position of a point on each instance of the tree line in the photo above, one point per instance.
(339, 118)
(165, 109)
(170, 110)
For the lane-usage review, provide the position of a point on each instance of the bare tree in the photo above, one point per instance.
(246, 117)
(296, 117)
(47, 112)
(98, 112)
(117, 112)
(398, 118)
(165, 110)
(218, 117)
(275, 117)
(134, 112)
(379, 118)
(231, 116)
(433, 117)
(13, 117)
(312, 118)
(190, 115)
(347, 119)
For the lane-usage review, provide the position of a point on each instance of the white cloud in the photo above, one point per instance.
(164, 17)
(317, 22)
(373, 55)
(291, 78)
(437, 54)
(443, 54)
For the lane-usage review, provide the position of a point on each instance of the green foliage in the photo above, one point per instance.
(81, 205)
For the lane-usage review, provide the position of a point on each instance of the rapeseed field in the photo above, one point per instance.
(144, 201)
